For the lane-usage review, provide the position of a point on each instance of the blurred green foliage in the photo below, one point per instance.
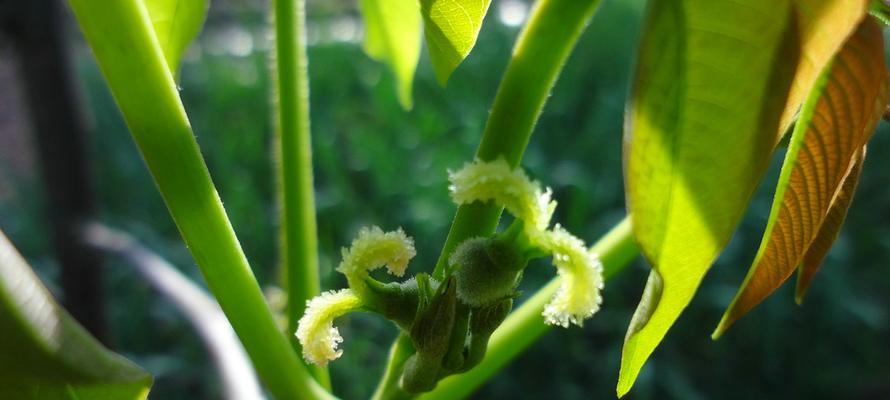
(377, 164)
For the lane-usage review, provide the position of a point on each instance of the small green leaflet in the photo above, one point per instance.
(837, 120)
(392, 36)
(176, 23)
(451, 28)
(45, 354)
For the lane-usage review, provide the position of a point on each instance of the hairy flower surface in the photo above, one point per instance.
(580, 271)
(511, 188)
(373, 249)
(581, 279)
(316, 331)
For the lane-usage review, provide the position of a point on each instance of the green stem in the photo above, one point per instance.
(299, 239)
(538, 57)
(540, 53)
(389, 384)
(525, 325)
(123, 41)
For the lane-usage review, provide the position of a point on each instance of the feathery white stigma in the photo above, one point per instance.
(496, 181)
(581, 280)
(373, 249)
(315, 330)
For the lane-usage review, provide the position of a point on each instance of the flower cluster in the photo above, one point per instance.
(579, 268)
(449, 319)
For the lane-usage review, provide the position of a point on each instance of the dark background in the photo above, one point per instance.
(377, 164)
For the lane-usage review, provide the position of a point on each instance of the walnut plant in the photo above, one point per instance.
(718, 85)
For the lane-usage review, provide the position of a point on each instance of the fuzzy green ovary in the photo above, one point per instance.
(486, 271)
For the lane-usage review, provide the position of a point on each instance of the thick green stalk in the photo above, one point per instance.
(525, 325)
(299, 237)
(540, 53)
(538, 57)
(123, 41)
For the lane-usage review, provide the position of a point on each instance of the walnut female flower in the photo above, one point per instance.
(372, 249)
(316, 331)
(581, 280)
(579, 269)
(511, 188)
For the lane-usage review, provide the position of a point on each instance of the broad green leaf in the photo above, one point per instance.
(45, 354)
(176, 23)
(392, 36)
(713, 81)
(451, 28)
(830, 228)
(835, 123)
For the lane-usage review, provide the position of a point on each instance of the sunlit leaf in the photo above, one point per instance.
(823, 26)
(392, 36)
(836, 121)
(830, 228)
(713, 81)
(45, 354)
(176, 23)
(451, 28)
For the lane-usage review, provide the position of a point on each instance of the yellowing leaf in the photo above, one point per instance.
(45, 354)
(830, 228)
(713, 81)
(176, 23)
(392, 36)
(838, 118)
(451, 28)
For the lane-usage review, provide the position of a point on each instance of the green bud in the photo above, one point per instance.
(483, 322)
(431, 336)
(487, 270)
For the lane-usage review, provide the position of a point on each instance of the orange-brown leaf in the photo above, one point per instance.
(830, 228)
(836, 121)
(824, 26)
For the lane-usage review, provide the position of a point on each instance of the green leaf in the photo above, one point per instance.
(176, 23)
(45, 353)
(451, 28)
(392, 36)
(837, 120)
(712, 91)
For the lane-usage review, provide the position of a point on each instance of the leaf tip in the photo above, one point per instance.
(718, 332)
(443, 74)
(624, 385)
(728, 319)
(406, 101)
(800, 291)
